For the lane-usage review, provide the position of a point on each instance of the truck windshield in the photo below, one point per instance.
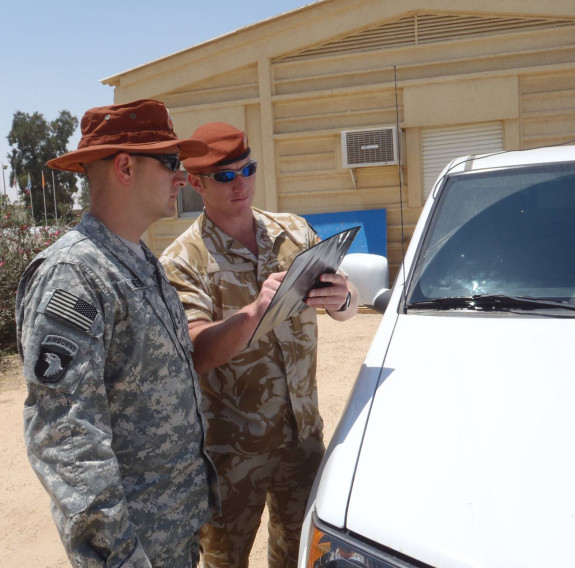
(504, 232)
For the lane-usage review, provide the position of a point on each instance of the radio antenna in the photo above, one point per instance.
(397, 132)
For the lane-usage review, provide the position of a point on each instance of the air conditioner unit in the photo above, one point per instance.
(369, 147)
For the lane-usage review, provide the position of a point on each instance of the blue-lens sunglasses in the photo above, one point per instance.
(227, 176)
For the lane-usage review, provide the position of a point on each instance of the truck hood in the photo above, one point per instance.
(467, 457)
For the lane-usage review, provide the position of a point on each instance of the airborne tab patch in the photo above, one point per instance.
(55, 355)
(71, 309)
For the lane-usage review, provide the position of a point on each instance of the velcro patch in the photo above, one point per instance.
(55, 355)
(71, 309)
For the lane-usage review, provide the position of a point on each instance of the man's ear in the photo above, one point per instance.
(124, 167)
(196, 182)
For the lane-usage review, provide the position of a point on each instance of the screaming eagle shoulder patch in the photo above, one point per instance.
(55, 355)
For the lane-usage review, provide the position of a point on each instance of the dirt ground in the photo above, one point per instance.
(28, 538)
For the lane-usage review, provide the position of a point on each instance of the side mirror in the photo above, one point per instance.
(381, 301)
(369, 273)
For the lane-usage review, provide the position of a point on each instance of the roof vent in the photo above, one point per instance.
(370, 147)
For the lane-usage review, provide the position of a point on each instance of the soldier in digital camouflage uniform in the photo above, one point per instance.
(264, 429)
(112, 420)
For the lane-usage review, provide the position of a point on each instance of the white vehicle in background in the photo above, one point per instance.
(456, 447)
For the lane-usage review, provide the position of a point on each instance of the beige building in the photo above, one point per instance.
(321, 91)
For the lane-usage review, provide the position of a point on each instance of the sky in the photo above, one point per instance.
(53, 54)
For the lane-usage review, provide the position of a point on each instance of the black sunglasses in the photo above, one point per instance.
(226, 176)
(170, 161)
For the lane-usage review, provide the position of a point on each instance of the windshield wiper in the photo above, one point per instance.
(506, 301)
(489, 302)
(448, 303)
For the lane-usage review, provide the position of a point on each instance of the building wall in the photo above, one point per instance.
(295, 92)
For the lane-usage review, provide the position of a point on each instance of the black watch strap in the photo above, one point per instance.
(346, 303)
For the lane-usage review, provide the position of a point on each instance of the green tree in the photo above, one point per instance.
(84, 195)
(35, 141)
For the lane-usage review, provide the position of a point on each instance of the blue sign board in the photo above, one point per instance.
(372, 238)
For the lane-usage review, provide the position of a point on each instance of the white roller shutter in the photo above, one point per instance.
(441, 145)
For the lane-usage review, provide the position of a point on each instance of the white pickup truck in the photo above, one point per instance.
(456, 447)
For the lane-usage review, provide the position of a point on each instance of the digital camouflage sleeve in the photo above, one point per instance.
(111, 420)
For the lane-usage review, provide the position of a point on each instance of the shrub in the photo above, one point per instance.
(20, 242)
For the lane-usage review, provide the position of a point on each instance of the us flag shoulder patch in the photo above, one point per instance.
(71, 309)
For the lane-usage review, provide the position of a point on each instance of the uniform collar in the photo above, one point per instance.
(218, 241)
(96, 230)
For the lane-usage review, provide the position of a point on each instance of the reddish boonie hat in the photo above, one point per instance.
(143, 126)
(226, 144)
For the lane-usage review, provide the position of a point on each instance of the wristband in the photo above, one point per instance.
(345, 305)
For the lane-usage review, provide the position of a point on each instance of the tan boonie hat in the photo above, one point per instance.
(226, 144)
(143, 126)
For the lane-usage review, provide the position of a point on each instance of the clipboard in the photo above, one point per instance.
(301, 277)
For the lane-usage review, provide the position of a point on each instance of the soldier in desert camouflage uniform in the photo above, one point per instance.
(264, 428)
(112, 420)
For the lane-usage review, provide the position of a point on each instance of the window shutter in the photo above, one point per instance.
(441, 145)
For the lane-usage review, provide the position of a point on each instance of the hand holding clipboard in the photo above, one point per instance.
(302, 276)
